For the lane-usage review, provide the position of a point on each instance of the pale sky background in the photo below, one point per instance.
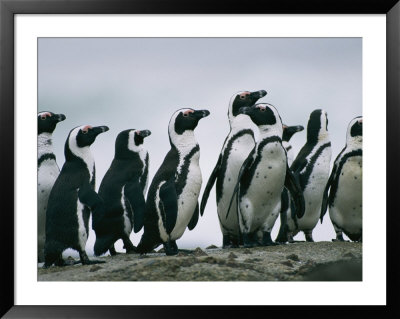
(139, 82)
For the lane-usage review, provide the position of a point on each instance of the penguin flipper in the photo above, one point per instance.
(245, 166)
(169, 205)
(210, 184)
(294, 188)
(89, 197)
(193, 221)
(134, 193)
(325, 197)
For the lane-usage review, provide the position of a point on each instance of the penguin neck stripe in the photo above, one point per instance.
(335, 183)
(225, 156)
(47, 156)
(82, 153)
(310, 165)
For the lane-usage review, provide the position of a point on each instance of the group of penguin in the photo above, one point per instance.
(256, 180)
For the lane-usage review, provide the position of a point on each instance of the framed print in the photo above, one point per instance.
(119, 55)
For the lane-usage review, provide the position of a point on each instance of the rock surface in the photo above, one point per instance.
(299, 261)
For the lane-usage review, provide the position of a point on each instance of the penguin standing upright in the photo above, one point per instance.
(262, 177)
(48, 171)
(72, 198)
(123, 189)
(236, 148)
(172, 200)
(345, 187)
(311, 169)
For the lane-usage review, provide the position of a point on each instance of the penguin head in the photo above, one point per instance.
(81, 137)
(47, 121)
(265, 116)
(243, 99)
(289, 131)
(354, 130)
(129, 141)
(317, 127)
(184, 121)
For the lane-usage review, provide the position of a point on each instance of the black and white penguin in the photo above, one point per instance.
(172, 200)
(237, 146)
(262, 178)
(48, 171)
(311, 169)
(345, 186)
(72, 198)
(288, 132)
(123, 190)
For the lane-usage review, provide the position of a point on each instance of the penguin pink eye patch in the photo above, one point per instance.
(261, 108)
(86, 129)
(244, 95)
(186, 113)
(44, 115)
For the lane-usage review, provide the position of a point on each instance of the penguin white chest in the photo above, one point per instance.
(82, 234)
(265, 188)
(48, 172)
(313, 191)
(188, 198)
(241, 148)
(346, 209)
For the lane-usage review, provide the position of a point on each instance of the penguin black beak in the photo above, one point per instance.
(60, 117)
(201, 113)
(143, 133)
(298, 128)
(100, 129)
(258, 95)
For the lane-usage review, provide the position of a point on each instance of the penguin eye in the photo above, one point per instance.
(243, 95)
(84, 132)
(262, 109)
(43, 117)
(186, 113)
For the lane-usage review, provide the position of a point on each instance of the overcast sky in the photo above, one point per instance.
(139, 83)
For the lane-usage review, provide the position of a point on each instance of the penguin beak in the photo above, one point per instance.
(298, 128)
(201, 113)
(60, 117)
(258, 95)
(143, 133)
(100, 129)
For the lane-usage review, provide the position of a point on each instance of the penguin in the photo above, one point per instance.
(172, 199)
(262, 178)
(72, 198)
(288, 132)
(311, 169)
(237, 146)
(345, 187)
(123, 190)
(47, 171)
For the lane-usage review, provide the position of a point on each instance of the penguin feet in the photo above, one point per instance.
(171, 248)
(112, 250)
(129, 247)
(227, 242)
(249, 241)
(86, 261)
(309, 237)
(339, 237)
(267, 240)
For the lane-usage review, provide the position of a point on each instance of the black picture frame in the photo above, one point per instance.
(8, 9)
